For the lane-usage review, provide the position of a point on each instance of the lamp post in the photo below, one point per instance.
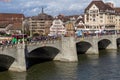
(30, 20)
(23, 22)
(115, 31)
(75, 29)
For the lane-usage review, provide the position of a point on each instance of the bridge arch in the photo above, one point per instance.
(41, 54)
(118, 42)
(46, 52)
(5, 62)
(82, 47)
(104, 43)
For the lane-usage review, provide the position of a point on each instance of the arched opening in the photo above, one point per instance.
(103, 44)
(41, 54)
(5, 62)
(118, 42)
(82, 47)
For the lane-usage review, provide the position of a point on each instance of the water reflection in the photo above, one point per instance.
(68, 71)
(104, 66)
(5, 76)
(94, 59)
(88, 68)
(18, 75)
(53, 71)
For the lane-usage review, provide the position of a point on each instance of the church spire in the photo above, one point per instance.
(42, 10)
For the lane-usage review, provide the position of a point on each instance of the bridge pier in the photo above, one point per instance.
(94, 47)
(20, 61)
(113, 44)
(68, 49)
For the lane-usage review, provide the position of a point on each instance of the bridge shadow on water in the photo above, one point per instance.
(40, 55)
(5, 62)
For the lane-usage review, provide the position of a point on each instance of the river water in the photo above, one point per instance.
(105, 66)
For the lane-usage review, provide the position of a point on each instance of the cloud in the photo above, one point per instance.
(51, 7)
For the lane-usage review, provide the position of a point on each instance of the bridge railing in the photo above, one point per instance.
(8, 46)
(53, 40)
(43, 41)
(93, 36)
(46, 41)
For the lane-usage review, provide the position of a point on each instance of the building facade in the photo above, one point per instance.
(70, 30)
(40, 24)
(57, 28)
(99, 15)
(69, 23)
(79, 24)
(117, 21)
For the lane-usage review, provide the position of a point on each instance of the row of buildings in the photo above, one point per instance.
(10, 22)
(97, 16)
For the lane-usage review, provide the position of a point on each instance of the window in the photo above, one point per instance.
(93, 19)
(57, 22)
(101, 16)
(101, 21)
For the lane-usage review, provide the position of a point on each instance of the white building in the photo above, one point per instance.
(57, 28)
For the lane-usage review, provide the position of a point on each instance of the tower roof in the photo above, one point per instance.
(42, 16)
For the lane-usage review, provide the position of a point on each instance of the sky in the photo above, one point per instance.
(51, 7)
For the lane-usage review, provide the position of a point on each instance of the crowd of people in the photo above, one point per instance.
(10, 41)
(14, 40)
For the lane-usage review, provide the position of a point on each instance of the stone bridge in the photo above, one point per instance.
(64, 49)
(92, 44)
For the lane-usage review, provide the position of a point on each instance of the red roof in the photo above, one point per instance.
(117, 9)
(11, 18)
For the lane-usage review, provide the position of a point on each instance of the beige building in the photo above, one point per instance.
(70, 28)
(117, 21)
(69, 23)
(39, 25)
(99, 15)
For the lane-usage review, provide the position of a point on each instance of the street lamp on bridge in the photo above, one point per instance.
(23, 30)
